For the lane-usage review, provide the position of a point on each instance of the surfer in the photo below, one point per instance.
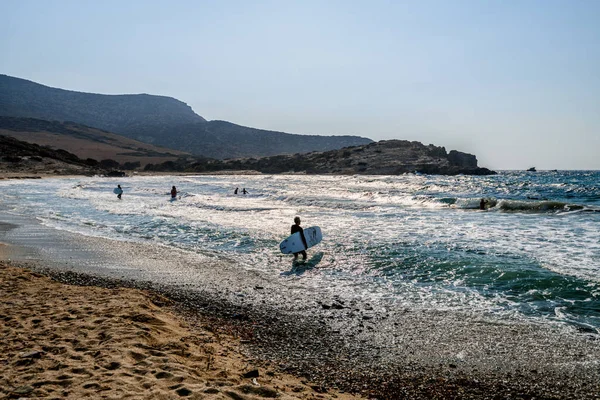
(482, 204)
(236, 190)
(173, 193)
(297, 228)
(244, 191)
(119, 192)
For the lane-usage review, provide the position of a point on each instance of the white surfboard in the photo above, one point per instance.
(294, 244)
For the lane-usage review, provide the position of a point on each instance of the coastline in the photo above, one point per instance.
(328, 341)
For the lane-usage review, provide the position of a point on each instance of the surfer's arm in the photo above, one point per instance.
(303, 239)
(296, 228)
(302, 236)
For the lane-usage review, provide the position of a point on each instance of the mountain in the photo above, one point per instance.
(387, 157)
(222, 139)
(158, 120)
(85, 142)
(113, 113)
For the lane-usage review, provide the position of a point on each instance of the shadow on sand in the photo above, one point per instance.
(299, 267)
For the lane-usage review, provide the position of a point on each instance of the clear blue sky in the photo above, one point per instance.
(515, 82)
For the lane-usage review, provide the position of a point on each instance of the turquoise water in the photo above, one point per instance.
(413, 241)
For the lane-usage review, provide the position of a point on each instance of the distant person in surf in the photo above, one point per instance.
(297, 228)
(173, 193)
(482, 204)
(119, 191)
(236, 190)
(244, 191)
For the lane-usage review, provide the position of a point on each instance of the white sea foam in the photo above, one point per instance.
(406, 239)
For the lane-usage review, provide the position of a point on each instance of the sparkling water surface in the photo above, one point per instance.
(413, 240)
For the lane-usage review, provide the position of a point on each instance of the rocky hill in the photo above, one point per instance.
(85, 142)
(158, 120)
(390, 157)
(20, 159)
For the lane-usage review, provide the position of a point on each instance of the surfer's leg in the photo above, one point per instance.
(303, 252)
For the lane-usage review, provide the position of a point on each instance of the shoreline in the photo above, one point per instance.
(72, 341)
(383, 353)
(240, 336)
(292, 345)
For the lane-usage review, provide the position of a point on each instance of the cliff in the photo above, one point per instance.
(390, 157)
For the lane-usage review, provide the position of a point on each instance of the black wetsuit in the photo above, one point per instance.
(298, 228)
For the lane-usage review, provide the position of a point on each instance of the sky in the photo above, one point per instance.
(515, 82)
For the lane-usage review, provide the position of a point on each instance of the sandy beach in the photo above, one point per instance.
(66, 341)
(100, 318)
(311, 200)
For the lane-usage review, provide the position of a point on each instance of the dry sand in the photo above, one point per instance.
(63, 341)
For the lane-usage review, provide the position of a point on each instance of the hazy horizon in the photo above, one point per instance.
(514, 83)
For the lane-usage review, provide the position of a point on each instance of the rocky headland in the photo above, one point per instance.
(391, 157)
(388, 157)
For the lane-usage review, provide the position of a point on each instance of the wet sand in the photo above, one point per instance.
(375, 350)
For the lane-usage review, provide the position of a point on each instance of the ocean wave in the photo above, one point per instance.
(536, 206)
(475, 203)
(328, 203)
(514, 205)
(420, 241)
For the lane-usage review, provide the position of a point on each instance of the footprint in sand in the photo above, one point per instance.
(137, 356)
(163, 375)
(80, 371)
(112, 366)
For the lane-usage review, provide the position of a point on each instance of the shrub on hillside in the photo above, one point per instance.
(109, 164)
(131, 165)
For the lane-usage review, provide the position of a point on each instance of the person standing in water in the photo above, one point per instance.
(297, 228)
(119, 192)
(173, 193)
(235, 191)
(244, 191)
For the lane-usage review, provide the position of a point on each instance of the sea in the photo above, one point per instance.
(413, 241)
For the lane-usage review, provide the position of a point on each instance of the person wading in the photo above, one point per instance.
(297, 228)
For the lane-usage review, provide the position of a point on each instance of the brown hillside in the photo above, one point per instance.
(84, 141)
